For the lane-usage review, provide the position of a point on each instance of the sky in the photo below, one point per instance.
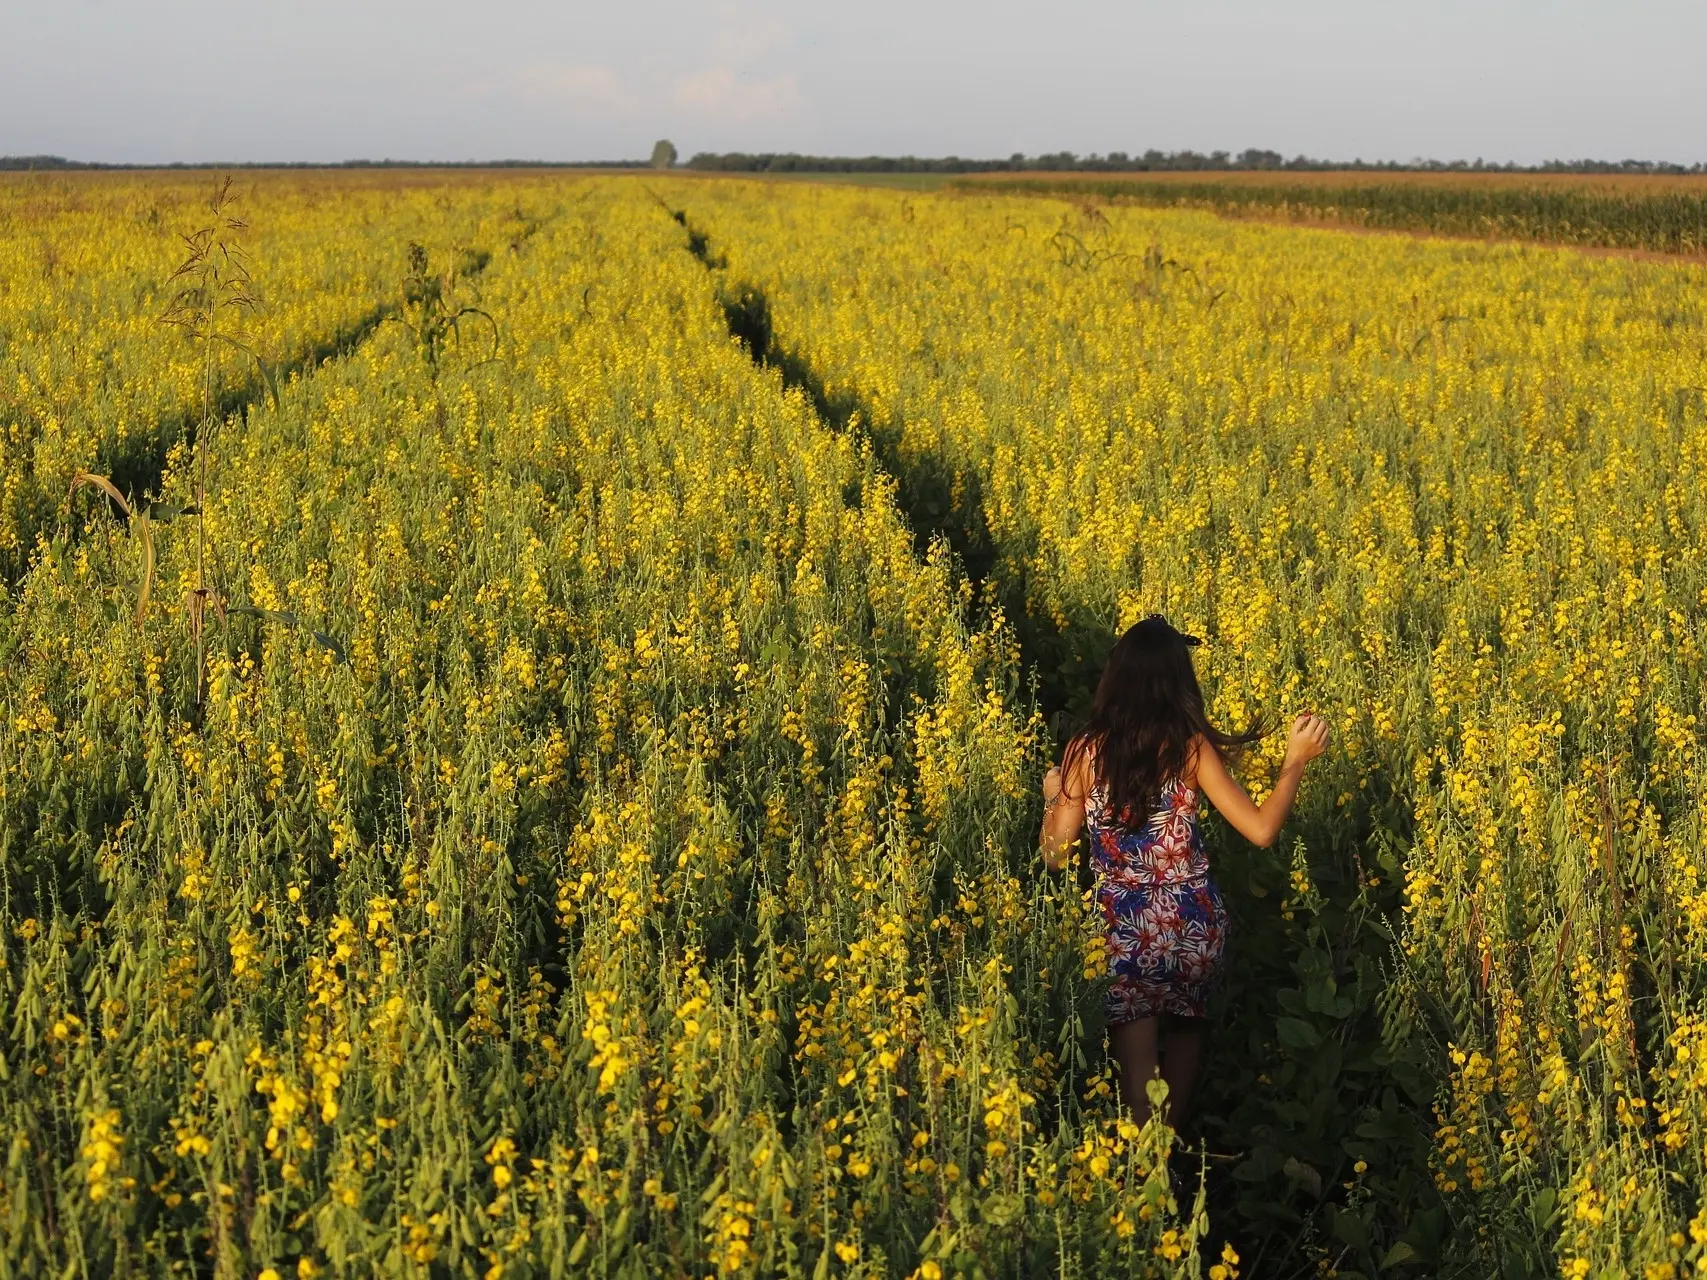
(318, 80)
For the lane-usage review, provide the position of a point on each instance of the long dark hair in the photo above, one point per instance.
(1147, 712)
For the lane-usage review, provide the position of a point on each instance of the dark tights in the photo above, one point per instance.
(1173, 1044)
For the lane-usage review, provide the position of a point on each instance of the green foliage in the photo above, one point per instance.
(1658, 219)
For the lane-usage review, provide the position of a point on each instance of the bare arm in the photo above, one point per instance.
(1260, 824)
(1064, 811)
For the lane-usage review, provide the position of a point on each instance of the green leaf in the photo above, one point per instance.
(283, 619)
(1320, 996)
(1398, 1255)
(619, 1233)
(164, 511)
(1352, 1229)
(1543, 1208)
(266, 615)
(1295, 1033)
(1303, 1175)
(268, 378)
(330, 642)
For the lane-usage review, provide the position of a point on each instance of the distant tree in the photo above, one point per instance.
(39, 162)
(663, 153)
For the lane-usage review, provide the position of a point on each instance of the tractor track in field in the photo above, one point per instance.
(937, 502)
(1060, 662)
(140, 471)
(747, 313)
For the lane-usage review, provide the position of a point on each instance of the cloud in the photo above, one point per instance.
(724, 95)
(576, 84)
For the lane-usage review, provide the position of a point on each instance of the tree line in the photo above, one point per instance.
(1120, 161)
(1048, 162)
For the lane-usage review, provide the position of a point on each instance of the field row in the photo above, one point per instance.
(1451, 497)
(94, 373)
(596, 852)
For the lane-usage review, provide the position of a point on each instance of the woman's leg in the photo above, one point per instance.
(1182, 1054)
(1134, 1045)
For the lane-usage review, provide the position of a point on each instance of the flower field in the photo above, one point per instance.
(636, 623)
(85, 378)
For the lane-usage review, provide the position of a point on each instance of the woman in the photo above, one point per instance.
(1133, 776)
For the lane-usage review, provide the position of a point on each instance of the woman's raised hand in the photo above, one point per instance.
(1307, 739)
(1051, 785)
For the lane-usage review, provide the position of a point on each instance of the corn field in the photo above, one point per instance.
(521, 721)
(1652, 214)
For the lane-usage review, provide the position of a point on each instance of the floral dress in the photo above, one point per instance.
(1166, 923)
